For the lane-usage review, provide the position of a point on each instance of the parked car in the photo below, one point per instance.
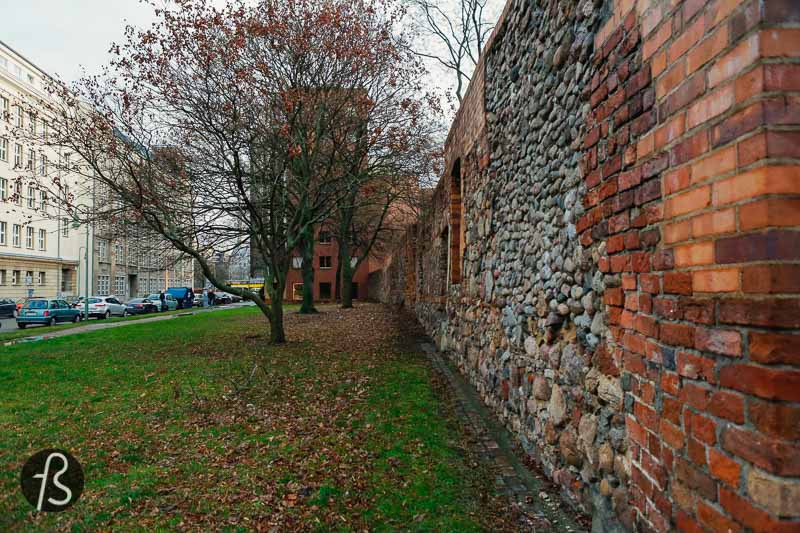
(184, 296)
(222, 298)
(8, 307)
(235, 298)
(106, 307)
(169, 304)
(47, 312)
(22, 301)
(141, 306)
(76, 302)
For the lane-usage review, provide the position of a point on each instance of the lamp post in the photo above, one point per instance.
(76, 224)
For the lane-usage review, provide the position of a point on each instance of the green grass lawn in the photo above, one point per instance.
(35, 331)
(196, 423)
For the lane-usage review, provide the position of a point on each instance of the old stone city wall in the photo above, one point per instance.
(613, 255)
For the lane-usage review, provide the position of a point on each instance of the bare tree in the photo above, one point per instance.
(458, 30)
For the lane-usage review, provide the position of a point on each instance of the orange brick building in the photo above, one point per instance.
(326, 261)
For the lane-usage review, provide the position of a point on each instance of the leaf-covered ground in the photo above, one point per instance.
(197, 424)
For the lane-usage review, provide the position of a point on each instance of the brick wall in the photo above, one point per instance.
(699, 207)
(644, 342)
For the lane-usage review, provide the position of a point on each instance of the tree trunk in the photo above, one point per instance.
(277, 335)
(347, 275)
(307, 248)
(337, 289)
(276, 283)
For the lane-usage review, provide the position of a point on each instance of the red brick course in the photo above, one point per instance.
(722, 151)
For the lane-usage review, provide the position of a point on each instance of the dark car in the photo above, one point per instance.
(8, 307)
(142, 306)
(184, 295)
(223, 298)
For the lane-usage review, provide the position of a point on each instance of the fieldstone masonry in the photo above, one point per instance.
(613, 257)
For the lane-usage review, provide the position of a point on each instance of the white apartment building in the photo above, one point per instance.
(42, 253)
(40, 250)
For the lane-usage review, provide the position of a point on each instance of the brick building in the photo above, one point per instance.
(326, 261)
(613, 256)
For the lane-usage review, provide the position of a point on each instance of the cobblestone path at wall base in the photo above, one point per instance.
(540, 508)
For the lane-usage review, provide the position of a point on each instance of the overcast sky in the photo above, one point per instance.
(60, 36)
(64, 36)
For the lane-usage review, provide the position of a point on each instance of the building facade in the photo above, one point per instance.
(129, 261)
(40, 250)
(326, 268)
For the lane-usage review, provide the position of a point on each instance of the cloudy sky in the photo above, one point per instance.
(60, 36)
(64, 36)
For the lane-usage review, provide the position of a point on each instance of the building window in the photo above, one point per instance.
(3, 229)
(42, 239)
(18, 192)
(17, 155)
(43, 166)
(3, 189)
(102, 285)
(29, 277)
(65, 227)
(119, 253)
(324, 237)
(119, 285)
(32, 123)
(16, 235)
(18, 118)
(3, 149)
(2, 277)
(44, 130)
(297, 262)
(43, 200)
(42, 278)
(325, 291)
(31, 163)
(102, 250)
(456, 244)
(29, 238)
(4, 108)
(31, 197)
(325, 261)
(15, 277)
(297, 291)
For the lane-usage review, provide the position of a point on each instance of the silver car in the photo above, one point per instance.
(169, 303)
(106, 307)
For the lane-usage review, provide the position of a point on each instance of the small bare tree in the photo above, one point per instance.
(457, 30)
